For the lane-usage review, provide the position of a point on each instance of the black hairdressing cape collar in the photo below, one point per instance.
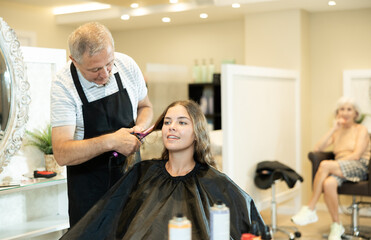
(143, 201)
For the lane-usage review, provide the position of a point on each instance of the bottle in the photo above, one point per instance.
(203, 104)
(210, 71)
(196, 74)
(203, 71)
(219, 221)
(180, 228)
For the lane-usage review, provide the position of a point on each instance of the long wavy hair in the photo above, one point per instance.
(202, 152)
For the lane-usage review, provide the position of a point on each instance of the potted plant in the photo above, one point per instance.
(42, 139)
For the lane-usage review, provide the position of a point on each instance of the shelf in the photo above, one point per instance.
(36, 227)
(33, 184)
(31, 222)
(208, 96)
(205, 84)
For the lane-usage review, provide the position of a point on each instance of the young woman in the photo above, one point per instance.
(183, 181)
(351, 146)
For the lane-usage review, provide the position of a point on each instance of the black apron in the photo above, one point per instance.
(89, 181)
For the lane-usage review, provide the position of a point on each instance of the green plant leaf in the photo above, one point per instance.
(363, 116)
(42, 139)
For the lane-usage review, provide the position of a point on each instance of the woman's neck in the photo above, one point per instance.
(179, 164)
(349, 125)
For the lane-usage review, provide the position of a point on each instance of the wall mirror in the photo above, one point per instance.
(14, 97)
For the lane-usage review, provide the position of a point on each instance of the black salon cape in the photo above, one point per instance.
(140, 205)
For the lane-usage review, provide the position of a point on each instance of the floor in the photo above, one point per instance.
(316, 230)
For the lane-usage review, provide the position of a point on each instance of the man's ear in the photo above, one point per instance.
(72, 59)
(77, 65)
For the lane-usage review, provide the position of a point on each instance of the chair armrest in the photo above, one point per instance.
(316, 158)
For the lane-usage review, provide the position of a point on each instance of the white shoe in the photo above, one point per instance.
(305, 216)
(336, 231)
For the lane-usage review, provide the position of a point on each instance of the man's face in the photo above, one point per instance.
(97, 68)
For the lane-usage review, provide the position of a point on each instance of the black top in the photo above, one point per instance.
(143, 201)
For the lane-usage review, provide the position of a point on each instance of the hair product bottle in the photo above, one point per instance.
(210, 71)
(180, 228)
(196, 74)
(219, 221)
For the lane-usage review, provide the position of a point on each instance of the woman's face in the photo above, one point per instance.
(177, 130)
(347, 113)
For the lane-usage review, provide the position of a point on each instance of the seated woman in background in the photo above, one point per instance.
(183, 181)
(351, 146)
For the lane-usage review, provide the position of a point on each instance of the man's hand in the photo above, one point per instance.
(125, 142)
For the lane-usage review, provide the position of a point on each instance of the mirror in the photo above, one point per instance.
(14, 97)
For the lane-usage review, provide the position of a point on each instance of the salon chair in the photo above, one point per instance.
(362, 188)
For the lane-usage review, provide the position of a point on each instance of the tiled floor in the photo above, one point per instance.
(313, 231)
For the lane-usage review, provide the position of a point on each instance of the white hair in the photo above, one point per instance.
(347, 100)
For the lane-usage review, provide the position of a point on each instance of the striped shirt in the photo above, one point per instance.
(66, 105)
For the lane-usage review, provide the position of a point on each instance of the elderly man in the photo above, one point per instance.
(98, 100)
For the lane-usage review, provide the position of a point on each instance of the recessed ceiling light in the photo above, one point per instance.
(203, 15)
(178, 7)
(236, 5)
(134, 5)
(331, 3)
(166, 19)
(173, 1)
(80, 8)
(125, 17)
(140, 12)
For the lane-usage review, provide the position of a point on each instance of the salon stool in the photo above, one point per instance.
(267, 174)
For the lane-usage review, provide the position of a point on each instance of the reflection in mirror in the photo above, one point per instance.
(14, 98)
(4, 93)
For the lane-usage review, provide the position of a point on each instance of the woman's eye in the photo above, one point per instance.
(166, 122)
(182, 123)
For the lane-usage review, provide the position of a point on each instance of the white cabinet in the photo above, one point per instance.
(34, 208)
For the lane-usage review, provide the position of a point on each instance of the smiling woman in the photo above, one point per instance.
(351, 146)
(183, 181)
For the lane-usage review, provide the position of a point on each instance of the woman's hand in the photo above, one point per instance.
(338, 123)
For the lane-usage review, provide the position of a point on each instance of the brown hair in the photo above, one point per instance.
(202, 152)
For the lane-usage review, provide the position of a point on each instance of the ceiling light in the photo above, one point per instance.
(236, 5)
(140, 12)
(203, 15)
(173, 1)
(331, 3)
(166, 19)
(80, 8)
(125, 17)
(134, 5)
(180, 7)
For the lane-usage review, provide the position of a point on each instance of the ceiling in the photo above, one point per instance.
(152, 11)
